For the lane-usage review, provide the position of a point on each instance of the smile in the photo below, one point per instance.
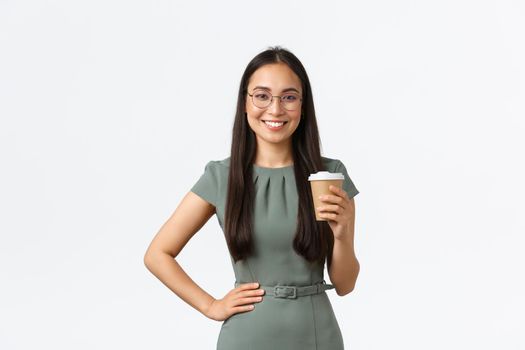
(274, 125)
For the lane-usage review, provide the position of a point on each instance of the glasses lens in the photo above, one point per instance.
(291, 102)
(261, 98)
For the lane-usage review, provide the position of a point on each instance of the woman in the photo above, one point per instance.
(262, 199)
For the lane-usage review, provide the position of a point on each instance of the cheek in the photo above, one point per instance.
(253, 122)
(250, 108)
(254, 114)
(297, 118)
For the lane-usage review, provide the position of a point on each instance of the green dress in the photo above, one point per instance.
(304, 322)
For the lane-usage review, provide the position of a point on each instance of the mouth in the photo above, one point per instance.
(274, 125)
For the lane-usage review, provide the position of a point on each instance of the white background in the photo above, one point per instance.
(110, 110)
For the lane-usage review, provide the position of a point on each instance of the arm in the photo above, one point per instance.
(191, 214)
(344, 268)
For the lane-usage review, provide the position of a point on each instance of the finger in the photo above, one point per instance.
(250, 293)
(243, 308)
(330, 208)
(331, 198)
(247, 286)
(338, 190)
(250, 300)
(329, 216)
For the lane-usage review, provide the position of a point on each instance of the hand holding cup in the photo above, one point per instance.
(331, 203)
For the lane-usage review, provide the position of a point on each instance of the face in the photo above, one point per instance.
(275, 78)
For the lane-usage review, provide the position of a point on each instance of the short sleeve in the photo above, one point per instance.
(348, 184)
(206, 186)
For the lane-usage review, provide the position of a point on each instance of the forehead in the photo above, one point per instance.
(275, 76)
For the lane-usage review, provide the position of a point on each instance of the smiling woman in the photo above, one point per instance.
(279, 114)
(263, 202)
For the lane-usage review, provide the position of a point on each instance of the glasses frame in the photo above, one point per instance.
(271, 100)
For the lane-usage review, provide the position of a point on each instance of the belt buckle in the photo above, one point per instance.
(288, 292)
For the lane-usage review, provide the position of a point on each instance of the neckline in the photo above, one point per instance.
(266, 168)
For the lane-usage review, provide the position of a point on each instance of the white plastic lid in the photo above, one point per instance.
(326, 175)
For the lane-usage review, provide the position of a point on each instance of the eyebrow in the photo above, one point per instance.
(284, 90)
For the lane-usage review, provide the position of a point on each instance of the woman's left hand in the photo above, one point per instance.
(339, 210)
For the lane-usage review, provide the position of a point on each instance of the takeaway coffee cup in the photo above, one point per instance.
(320, 184)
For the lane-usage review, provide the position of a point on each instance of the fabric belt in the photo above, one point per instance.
(292, 292)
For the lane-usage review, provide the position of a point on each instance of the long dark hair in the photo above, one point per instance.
(313, 240)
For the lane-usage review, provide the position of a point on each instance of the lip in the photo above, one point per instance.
(275, 128)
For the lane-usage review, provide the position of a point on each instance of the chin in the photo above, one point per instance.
(275, 140)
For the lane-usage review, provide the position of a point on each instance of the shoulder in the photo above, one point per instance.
(218, 167)
(331, 164)
(337, 166)
(223, 163)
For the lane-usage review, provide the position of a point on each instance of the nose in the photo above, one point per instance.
(275, 106)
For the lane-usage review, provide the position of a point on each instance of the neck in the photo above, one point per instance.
(273, 155)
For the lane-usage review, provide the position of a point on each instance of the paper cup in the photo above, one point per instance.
(320, 184)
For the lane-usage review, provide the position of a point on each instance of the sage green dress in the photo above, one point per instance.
(304, 323)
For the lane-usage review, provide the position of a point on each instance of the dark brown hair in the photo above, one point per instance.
(313, 240)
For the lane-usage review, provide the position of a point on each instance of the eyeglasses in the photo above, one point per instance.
(262, 99)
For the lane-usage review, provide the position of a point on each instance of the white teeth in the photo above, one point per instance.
(274, 124)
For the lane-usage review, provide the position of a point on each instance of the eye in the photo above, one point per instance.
(261, 96)
(289, 98)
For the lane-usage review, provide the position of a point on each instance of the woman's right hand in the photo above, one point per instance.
(239, 299)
